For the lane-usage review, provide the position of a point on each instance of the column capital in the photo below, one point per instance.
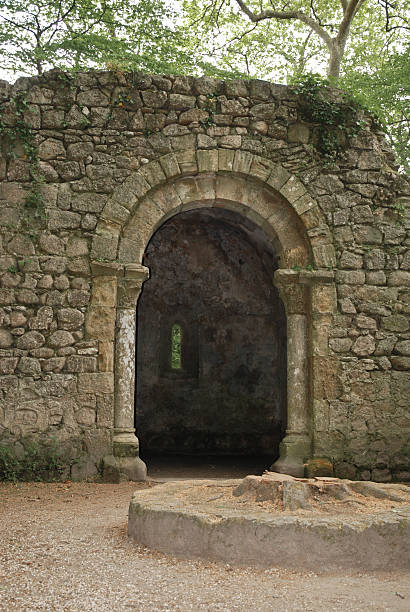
(293, 292)
(129, 286)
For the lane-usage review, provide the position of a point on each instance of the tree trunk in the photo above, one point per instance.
(335, 60)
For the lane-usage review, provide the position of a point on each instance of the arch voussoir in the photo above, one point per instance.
(169, 164)
(250, 184)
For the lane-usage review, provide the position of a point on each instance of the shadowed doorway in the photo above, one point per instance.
(211, 343)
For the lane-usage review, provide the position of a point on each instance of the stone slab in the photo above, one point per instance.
(161, 518)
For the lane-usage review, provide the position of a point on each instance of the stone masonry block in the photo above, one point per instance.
(225, 160)
(187, 161)
(104, 291)
(103, 382)
(181, 101)
(153, 173)
(100, 322)
(324, 256)
(131, 190)
(131, 251)
(261, 168)
(229, 188)
(242, 162)
(324, 298)
(278, 177)
(170, 166)
(113, 211)
(105, 356)
(188, 189)
(292, 189)
(207, 160)
(81, 363)
(104, 247)
(258, 199)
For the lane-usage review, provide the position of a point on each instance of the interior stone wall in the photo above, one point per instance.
(211, 272)
(106, 139)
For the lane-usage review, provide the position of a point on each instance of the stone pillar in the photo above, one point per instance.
(325, 370)
(125, 463)
(295, 448)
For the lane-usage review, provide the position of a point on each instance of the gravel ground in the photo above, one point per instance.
(64, 548)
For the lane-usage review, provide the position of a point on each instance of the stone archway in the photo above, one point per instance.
(220, 388)
(281, 206)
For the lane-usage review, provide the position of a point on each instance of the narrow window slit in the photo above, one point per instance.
(176, 347)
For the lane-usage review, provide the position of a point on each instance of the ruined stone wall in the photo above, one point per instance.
(92, 132)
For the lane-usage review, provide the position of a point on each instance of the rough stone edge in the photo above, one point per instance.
(376, 542)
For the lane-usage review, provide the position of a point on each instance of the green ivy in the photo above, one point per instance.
(336, 119)
(23, 134)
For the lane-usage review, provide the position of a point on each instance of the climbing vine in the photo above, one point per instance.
(21, 133)
(210, 106)
(337, 119)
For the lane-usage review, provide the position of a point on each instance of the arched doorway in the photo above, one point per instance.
(277, 203)
(211, 340)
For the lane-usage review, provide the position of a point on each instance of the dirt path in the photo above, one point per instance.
(63, 547)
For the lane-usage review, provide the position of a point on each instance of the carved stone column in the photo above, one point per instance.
(295, 448)
(325, 369)
(125, 463)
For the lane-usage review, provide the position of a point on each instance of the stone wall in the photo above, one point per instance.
(104, 140)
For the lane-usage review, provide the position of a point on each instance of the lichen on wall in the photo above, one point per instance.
(65, 197)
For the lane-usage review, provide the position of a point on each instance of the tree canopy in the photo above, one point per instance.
(361, 44)
(36, 35)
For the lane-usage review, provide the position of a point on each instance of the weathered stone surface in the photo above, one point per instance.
(59, 220)
(8, 365)
(80, 363)
(396, 323)
(30, 340)
(61, 338)
(181, 102)
(400, 363)
(6, 339)
(80, 150)
(51, 149)
(70, 318)
(29, 366)
(237, 145)
(92, 97)
(364, 345)
(260, 534)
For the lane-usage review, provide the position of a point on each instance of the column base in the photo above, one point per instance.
(320, 466)
(121, 469)
(124, 464)
(293, 452)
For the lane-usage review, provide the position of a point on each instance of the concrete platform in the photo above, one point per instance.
(203, 519)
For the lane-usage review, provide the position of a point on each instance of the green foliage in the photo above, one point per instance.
(144, 35)
(375, 60)
(176, 347)
(336, 118)
(385, 89)
(400, 211)
(37, 463)
(22, 134)
(210, 107)
(309, 267)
